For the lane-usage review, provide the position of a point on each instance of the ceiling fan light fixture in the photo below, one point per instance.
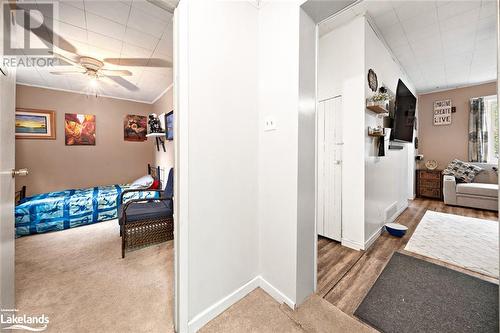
(93, 82)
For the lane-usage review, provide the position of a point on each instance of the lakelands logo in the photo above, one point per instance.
(9, 320)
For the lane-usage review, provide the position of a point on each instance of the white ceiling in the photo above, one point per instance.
(111, 29)
(440, 44)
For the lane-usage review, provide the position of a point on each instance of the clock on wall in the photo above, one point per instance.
(372, 80)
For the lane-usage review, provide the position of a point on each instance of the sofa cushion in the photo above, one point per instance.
(488, 175)
(139, 211)
(481, 189)
(463, 171)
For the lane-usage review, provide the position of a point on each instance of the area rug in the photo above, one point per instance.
(413, 295)
(467, 242)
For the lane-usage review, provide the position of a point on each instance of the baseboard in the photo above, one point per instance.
(373, 238)
(217, 308)
(377, 233)
(352, 244)
(275, 293)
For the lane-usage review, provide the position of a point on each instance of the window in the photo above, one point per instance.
(491, 106)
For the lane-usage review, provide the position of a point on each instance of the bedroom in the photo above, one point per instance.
(94, 155)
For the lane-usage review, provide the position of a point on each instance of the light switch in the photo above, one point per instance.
(269, 124)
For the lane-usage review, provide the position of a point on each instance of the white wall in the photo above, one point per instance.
(341, 72)
(388, 178)
(278, 152)
(370, 184)
(222, 145)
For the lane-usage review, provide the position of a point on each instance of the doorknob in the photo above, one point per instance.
(20, 172)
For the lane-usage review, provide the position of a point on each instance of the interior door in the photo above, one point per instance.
(7, 191)
(329, 214)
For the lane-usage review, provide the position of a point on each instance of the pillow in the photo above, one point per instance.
(155, 185)
(143, 182)
(462, 171)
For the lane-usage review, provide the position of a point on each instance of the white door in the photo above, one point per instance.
(7, 151)
(329, 214)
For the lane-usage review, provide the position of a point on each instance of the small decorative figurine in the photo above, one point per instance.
(154, 124)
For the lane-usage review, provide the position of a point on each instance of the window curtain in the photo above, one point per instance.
(478, 131)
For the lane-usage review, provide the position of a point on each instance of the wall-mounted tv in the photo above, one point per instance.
(169, 125)
(404, 114)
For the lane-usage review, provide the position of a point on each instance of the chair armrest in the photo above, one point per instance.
(449, 190)
(138, 190)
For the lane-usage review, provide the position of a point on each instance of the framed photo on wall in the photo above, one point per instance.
(35, 124)
(79, 129)
(135, 128)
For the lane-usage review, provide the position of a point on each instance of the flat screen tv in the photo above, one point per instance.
(404, 114)
(169, 125)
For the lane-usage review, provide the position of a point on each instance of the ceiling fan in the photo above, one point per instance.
(92, 67)
(95, 68)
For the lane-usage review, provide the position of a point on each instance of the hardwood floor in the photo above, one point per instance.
(345, 276)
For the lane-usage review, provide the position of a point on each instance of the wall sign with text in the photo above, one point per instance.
(442, 112)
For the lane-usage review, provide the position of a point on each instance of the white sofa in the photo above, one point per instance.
(482, 193)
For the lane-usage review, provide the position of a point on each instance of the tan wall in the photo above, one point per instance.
(165, 159)
(54, 166)
(445, 143)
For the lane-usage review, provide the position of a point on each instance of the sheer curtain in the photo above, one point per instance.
(478, 131)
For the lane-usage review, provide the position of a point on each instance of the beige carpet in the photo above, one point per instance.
(259, 312)
(78, 278)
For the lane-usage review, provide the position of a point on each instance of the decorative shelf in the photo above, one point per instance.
(156, 135)
(377, 109)
(375, 134)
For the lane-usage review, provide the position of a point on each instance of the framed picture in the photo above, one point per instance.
(169, 125)
(135, 128)
(35, 124)
(79, 129)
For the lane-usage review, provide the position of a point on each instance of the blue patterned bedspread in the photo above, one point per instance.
(71, 208)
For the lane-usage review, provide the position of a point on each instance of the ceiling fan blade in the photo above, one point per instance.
(66, 59)
(144, 62)
(167, 5)
(67, 72)
(47, 35)
(112, 72)
(122, 82)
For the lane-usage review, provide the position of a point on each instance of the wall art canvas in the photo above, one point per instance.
(79, 129)
(442, 112)
(35, 124)
(135, 128)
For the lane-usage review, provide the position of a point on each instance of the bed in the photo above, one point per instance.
(71, 208)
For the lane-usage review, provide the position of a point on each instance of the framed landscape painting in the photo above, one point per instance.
(35, 124)
(79, 129)
(135, 128)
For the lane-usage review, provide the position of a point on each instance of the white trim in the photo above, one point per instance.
(351, 244)
(217, 308)
(373, 238)
(222, 305)
(163, 93)
(82, 93)
(181, 184)
(377, 233)
(453, 88)
(275, 293)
